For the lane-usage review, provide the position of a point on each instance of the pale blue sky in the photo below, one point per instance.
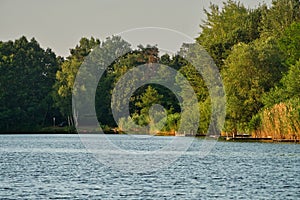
(59, 24)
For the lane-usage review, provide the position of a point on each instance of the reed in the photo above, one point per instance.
(282, 121)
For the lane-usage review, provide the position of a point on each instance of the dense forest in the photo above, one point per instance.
(256, 51)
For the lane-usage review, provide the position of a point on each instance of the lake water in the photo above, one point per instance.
(59, 167)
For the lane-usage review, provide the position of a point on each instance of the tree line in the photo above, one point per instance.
(256, 51)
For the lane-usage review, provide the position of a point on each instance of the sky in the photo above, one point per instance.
(59, 24)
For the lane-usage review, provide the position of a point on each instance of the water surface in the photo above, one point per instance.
(59, 167)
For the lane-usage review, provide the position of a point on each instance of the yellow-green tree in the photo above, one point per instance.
(65, 76)
(250, 71)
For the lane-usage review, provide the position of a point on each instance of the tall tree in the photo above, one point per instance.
(27, 77)
(278, 17)
(251, 70)
(66, 75)
(227, 27)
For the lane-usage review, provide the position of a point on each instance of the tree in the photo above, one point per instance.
(291, 81)
(227, 27)
(27, 77)
(251, 70)
(289, 88)
(196, 81)
(144, 103)
(65, 76)
(132, 59)
(289, 43)
(278, 17)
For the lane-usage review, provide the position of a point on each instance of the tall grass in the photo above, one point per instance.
(282, 121)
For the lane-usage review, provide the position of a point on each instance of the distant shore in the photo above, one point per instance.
(251, 139)
(63, 130)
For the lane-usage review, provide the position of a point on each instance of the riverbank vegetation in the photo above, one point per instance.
(256, 51)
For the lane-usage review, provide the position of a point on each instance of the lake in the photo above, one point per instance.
(60, 167)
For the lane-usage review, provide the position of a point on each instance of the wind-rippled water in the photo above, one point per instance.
(59, 167)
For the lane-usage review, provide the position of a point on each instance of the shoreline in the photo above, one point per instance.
(220, 138)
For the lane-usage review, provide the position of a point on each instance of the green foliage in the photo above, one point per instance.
(255, 123)
(226, 27)
(26, 80)
(107, 82)
(205, 116)
(145, 101)
(278, 17)
(289, 43)
(253, 48)
(276, 95)
(251, 70)
(256, 51)
(65, 76)
(291, 81)
(173, 122)
(288, 89)
(196, 81)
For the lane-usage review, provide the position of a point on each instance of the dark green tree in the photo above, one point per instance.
(27, 78)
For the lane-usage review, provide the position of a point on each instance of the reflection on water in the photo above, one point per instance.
(59, 167)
